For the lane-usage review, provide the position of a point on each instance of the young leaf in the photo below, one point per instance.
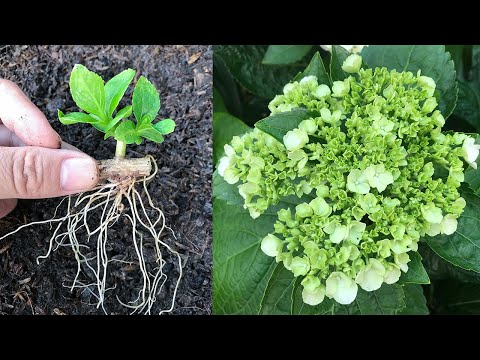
(149, 132)
(165, 126)
(121, 114)
(88, 91)
(127, 133)
(75, 117)
(285, 54)
(115, 88)
(146, 100)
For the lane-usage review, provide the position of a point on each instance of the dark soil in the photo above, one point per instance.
(182, 188)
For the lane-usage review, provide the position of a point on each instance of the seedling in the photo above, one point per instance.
(119, 178)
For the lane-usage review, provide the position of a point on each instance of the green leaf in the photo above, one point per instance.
(279, 124)
(115, 89)
(315, 68)
(468, 104)
(121, 114)
(88, 91)
(388, 300)
(277, 299)
(225, 191)
(339, 54)
(218, 104)
(431, 59)
(415, 302)
(462, 248)
(416, 273)
(244, 62)
(452, 297)
(75, 117)
(242, 270)
(150, 132)
(146, 100)
(127, 133)
(285, 54)
(440, 269)
(225, 126)
(165, 126)
(326, 307)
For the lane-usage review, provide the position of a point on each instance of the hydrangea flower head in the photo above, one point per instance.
(364, 168)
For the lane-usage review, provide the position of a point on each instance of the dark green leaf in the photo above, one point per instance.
(225, 126)
(146, 100)
(279, 124)
(127, 133)
(165, 126)
(431, 59)
(416, 273)
(327, 306)
(315, 68)
(244, 62)
(440, 269)
(242, 270)
(75, 117)
(88, 91)
(285, 54)
(115, 89)
(339, 54)
(277, 299)
(462, 58)
(388, 300)
(227, 87)
(226, 192)
(218, 104)
(468, 104)
(150, 132)
(415, 302)
(452, 297)
(462, 248)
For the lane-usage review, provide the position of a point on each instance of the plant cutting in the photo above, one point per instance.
(122, 192)
(350, 175)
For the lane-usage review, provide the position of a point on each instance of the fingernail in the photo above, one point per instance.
(78, 174)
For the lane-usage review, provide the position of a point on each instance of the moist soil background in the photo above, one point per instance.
(182, 187)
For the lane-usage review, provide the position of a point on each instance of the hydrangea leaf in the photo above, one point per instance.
(115, 89)
(416, 273)
(462, 248)
(285, 54)
(278, 125)
(146, 100)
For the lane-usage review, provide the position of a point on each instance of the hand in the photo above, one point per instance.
(33, 162)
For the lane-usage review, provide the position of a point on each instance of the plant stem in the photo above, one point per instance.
(121, 150)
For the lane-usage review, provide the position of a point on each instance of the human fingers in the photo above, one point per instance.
(24, 119)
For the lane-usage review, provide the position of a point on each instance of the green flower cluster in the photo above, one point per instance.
(369, 161)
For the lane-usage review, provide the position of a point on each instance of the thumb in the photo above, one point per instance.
(36, 172)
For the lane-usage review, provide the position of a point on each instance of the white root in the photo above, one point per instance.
(108, 198)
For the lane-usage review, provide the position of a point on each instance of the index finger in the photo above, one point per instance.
(23, 118)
